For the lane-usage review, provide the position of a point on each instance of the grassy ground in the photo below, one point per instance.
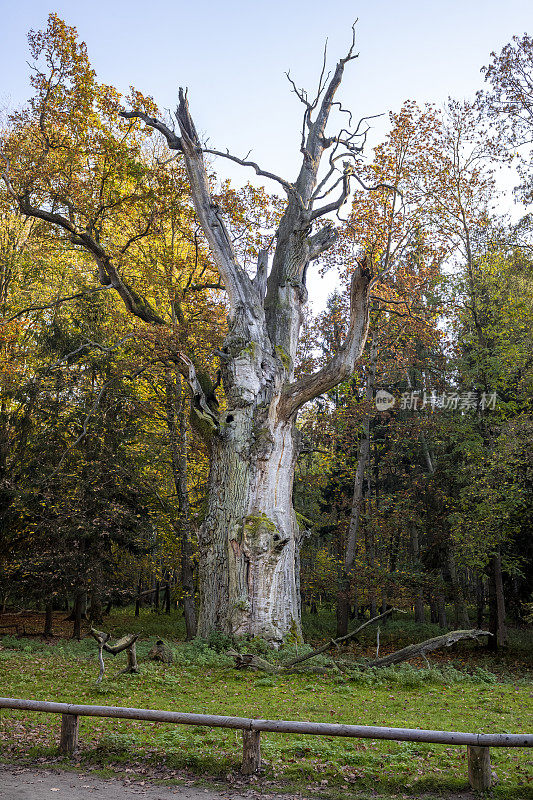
(202, 680)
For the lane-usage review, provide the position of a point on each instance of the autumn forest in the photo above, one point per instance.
(189, 453)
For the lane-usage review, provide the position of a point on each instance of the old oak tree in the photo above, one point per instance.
(250, 537)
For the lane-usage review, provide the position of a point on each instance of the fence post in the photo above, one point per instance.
(479, 770)
(68, 742)
(251, 752)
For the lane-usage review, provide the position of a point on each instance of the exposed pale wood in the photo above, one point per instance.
(132, 667)
(420, 649)
(342, 365)
(122, 644)
(68, 742)
(250, 538)
(479, 769)
(251, 752)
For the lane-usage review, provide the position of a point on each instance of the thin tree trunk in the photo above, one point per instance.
(138, 598)
(419, 597)
(480, 600)
(433, 609)
(371, 552)
(441, 605)
(166, 600)
(95, 611)
(77, 613)
(177, 427)
(497, 624)
(48, 619)
(461, 612)
(347, 577)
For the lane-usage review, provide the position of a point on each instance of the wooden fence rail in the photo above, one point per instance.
(479, 769)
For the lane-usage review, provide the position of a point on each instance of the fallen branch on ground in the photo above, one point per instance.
(420, 649)
(248, 660)
(341, 640)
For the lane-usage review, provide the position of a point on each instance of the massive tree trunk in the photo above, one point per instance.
(250, 536)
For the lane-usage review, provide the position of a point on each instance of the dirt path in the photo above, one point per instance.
(24, 784)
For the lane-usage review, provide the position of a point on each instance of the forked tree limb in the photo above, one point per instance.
(342, 365)
(241, 292)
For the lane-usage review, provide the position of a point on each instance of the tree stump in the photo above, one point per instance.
(132, 667)
(68, 742)
(251, 752)
(161, 652)
(132, 659)
(479, 771)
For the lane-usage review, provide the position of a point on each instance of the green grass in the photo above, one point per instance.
(202, 680)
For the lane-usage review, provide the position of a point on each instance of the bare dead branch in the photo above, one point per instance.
(339, 202)
(241, 293)
(420, 649)
(343, 363)
(173, 140)
(322, 240)
(340, 641)
(301, 94)
(289, 187)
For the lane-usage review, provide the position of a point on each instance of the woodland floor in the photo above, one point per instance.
(464, 689)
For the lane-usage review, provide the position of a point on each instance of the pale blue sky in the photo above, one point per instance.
(233, 54)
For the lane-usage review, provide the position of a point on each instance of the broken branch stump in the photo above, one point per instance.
(479, 769)
(251, 752)
(68, 742)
